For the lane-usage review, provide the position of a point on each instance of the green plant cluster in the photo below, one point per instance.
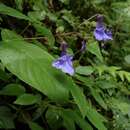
(36, 96)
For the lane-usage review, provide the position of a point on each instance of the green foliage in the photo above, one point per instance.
(6, 118)
(26, 99)
(12, 90)
(35, 95)
(94, 49)
(12, 12)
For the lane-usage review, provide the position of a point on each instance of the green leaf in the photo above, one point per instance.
(3, 75)
(86, 110)
(12, 38)
(101, 69)
(27, 99)
(13, 90)
(127, 75)
(53, 118)
(85, 70)
(98, 97)
(89, 83)
(6, 118)
(74, 117)
(19, 4)
(45, 32)
(127, 59)
(123, 106)
(12, 12)
(34, 126)
(94, 49)
(106, 84)
(33, 65)
(37, 15)
(68, 120)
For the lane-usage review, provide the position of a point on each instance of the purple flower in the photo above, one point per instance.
(100, 33)
(64, 63)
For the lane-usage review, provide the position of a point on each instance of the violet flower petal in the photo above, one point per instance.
(65, 64)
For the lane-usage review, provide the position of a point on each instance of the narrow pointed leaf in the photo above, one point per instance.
(94, 49)
(12, 12)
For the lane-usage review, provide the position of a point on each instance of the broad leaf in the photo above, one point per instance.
(34, 66)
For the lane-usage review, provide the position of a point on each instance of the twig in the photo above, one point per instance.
(88, 19)
(27, 38)
(25, 29)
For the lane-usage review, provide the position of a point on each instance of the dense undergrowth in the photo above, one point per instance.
(35, 95)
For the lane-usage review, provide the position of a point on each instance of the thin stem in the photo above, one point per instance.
(27, 38)
(66, 34)
(81, 57)
(25, 29)
(88, 19)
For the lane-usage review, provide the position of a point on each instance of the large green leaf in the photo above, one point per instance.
(12, 12)
(34, 66)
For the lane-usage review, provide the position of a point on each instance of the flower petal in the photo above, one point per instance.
(68, 68)
(98, 35)
(58, 63)
(65, 64)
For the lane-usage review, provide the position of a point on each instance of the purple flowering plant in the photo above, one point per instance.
(64, 62)
(100, 32)
(86, 87)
